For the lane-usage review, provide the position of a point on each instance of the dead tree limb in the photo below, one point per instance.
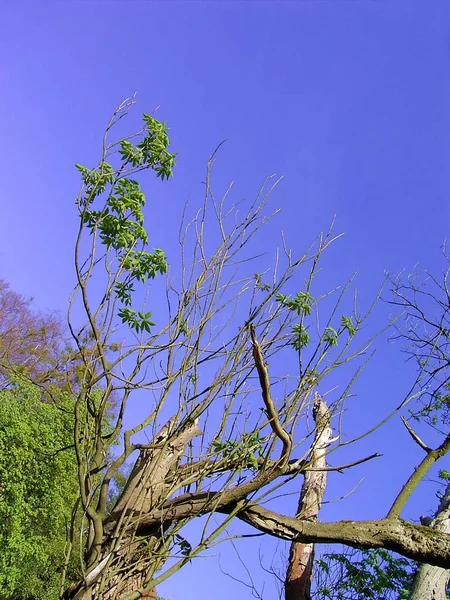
(301, 555)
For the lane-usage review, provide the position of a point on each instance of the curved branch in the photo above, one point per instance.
(416, 477)
(268, 402)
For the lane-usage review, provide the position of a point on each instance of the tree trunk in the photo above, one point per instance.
(124, 569)
(430, 583)
(301, 556)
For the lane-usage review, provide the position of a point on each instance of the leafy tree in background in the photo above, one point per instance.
(362, 575)
(213, 440)
(39, 496)
(38, 479)
(38, 491)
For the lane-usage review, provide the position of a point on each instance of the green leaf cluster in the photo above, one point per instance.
(246, 451)
(121, 221)
(143, 265)
(347, 325)
(444, 474)
(300, 336)
(260, 285)
(330, 336)
(137, 320)
(437, 411)
(95, 181)
(302, 303)
(152, 151)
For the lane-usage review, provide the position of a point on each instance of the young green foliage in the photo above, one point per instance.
(330, 336)
(119, 221)
(300, 337)
(302, 303)
(246, 451)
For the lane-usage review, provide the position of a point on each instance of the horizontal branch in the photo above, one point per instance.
(195, 504)
(416, 542)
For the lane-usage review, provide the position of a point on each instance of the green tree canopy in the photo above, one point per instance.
(38, 490)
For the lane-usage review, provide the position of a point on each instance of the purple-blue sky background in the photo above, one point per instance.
(348, 100)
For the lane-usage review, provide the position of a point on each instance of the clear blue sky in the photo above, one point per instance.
(349, 100)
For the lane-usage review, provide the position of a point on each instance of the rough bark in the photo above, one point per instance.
(301, 556)
(417, 542)
(430, 582)
(122, 567)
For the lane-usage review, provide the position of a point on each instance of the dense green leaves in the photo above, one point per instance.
(347, 325)
(96, 181)
(152, 151)
(363, 575)
(143, 265)
(37, 492)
